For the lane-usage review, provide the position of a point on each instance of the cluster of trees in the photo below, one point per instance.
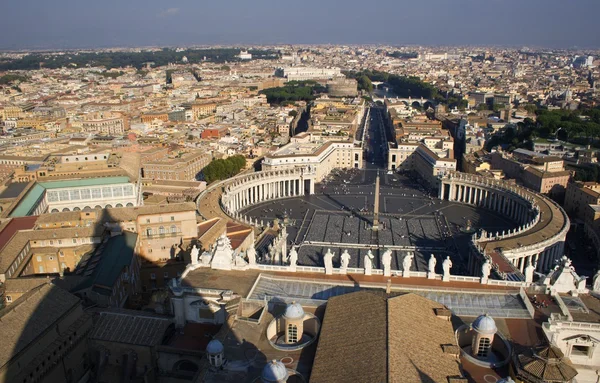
(221, 169)
(12, 78)
(587, 173)
(111, 60)
(293, 91)
(403, 86)
(580, 126)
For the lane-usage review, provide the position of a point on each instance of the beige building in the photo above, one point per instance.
(176, 167)
(105, 123)
(44, 337)
(579, 196)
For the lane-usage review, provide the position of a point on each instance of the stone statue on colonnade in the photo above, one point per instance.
(328, 261)
(368, 261)
(446, 266)
(386, 260)
(432, 262)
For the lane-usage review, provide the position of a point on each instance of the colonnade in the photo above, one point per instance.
(265, 186)
(533, 242)
(503, 202)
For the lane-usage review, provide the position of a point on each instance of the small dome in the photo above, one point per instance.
(274, 372)
(484, 324)
(294, 311)
(214, 347)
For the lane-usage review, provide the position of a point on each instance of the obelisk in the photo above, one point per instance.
(376, 208)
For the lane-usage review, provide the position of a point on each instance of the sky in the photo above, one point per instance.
(40, 24)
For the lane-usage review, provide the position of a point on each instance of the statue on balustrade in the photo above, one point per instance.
(486, 269)
(431, 267)
(406, 263)
(328, 261)
(368, 261)
(251, 254)
(596, 285)
(446, 266)
(293, 258)
(345, 260)
(386, 260)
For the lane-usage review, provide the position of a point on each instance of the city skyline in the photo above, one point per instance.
(66, 24)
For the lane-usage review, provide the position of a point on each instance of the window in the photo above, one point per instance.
(74, 240)
(8, 298)
(152, 276)
(147, 220)
(172, 218)
(161, 230)
(39, 258)
(484, 346)
(41, 269)
(61, 253)
(292, 333)
(579, 350)
(173, 229)
(160, 219)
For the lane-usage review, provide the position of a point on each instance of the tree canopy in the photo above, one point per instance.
(220, 169)
(403, 86)
(111, 60)
(293, 91)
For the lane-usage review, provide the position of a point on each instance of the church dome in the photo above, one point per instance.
(214, 347)
(294, 311)
(484, 324)
(274, 372)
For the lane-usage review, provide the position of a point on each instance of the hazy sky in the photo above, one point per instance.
(106, 23)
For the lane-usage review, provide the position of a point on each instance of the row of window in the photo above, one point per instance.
(87, 208)
(161, 230)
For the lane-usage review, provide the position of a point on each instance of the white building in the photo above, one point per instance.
(320, 152)
(78, 194)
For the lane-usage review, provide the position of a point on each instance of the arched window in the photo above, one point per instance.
(119, 205)
(109, 206)
(484, 346)
(129, 204)
(173, 229)
(98, 207)
(161, 230)
(66, 209)
(54, 211)
(76, 209)
(292, 333)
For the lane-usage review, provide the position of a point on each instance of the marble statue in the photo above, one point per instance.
(486, 269)
(345, 260)
(223, 254)
(293, 258)
(194, 254)
(251, 254)
(368, 261)
(406, 263)
(446, 266)
(431, 268)
(386, 260)
(596, 285)
(529, 269)
(328, 260)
